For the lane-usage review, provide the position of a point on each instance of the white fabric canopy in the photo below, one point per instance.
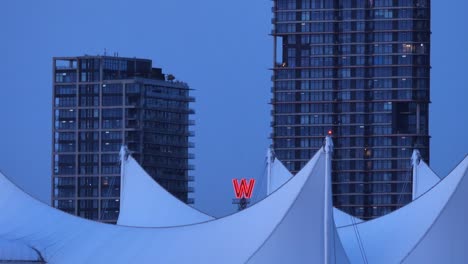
(433, 227)
(343, 219)
(447, 238)
(290, 224)
(278, 174)
(423, 176)
(14, 251)
(145, 203)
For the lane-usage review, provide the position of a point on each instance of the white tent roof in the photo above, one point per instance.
(343, 219)
(12, 251)
(144, 203)
(285, 223)
(447, 238)
(278, 174)
(423, 176)
(431, 229)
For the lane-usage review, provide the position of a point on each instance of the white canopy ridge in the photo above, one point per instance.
(390, 238)
(278, 175)
(286, 244)
(423, 177)
(447, 238)
(145, 203)
(63, 238)
(14, 252)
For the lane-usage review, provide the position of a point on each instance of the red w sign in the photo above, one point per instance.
(243, 189)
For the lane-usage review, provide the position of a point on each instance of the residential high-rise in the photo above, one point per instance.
(101, 103)
(358, 70)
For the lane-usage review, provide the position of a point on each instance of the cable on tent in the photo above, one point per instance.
(404, 188)
(261, 179)
(334, 243)
(39, 255)
(105, 204)
(358, 237)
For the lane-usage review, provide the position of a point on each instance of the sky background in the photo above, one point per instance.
(221, 48)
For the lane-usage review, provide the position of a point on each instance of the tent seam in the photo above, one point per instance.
(280, 222)
(437, 218)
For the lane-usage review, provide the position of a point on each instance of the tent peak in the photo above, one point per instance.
(328, 144)
(416, 157)
(124, 152)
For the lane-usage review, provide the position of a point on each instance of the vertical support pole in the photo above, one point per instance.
(268, 164)
(123, 158)
(329, 236)
(415, 159)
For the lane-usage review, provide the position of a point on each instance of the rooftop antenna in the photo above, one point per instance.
(105, 52)
(170, 77)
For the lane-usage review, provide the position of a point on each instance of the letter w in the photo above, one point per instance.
(243, 189)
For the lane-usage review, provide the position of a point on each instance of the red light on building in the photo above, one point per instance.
(243, 189)
(330, 132)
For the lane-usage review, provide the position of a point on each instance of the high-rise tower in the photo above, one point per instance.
(357, 70)
(101, 103)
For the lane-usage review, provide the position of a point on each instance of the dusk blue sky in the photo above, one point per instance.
(221, 48)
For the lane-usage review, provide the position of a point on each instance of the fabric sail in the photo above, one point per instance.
(145, 203)
(247, 236)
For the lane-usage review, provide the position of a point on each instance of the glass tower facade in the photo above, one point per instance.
(357, 70)
(101, 103)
